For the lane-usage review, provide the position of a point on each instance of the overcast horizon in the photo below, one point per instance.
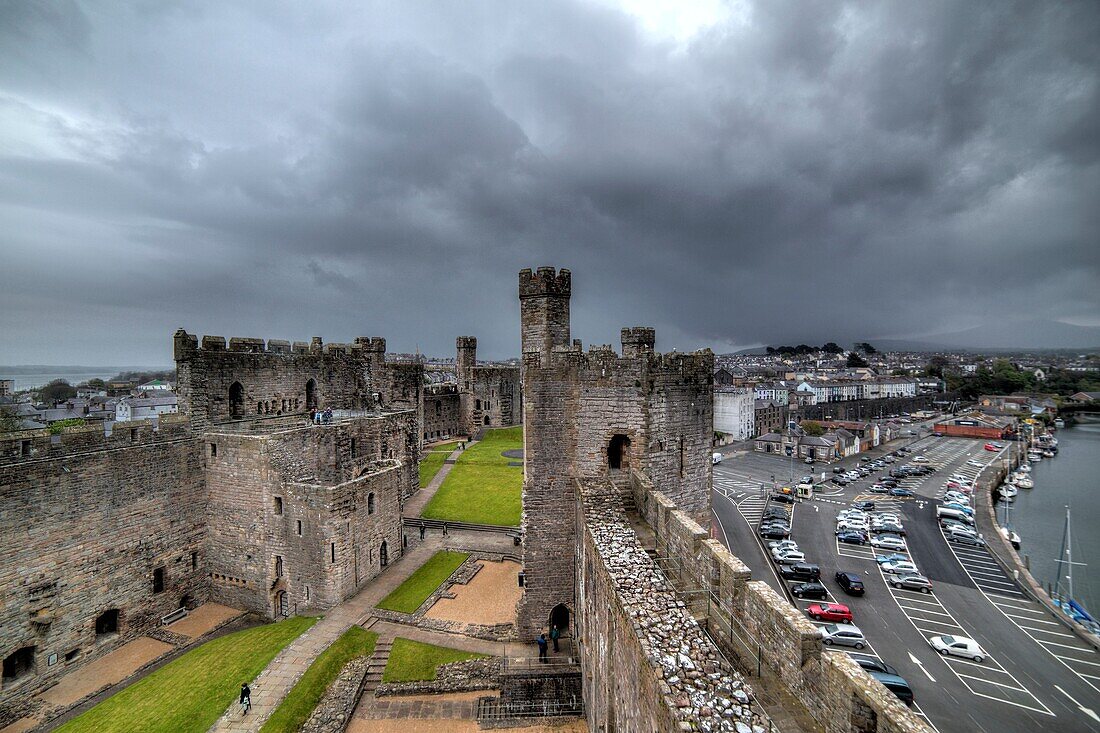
(731, 174)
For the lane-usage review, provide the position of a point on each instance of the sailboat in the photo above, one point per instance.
(1063, 592)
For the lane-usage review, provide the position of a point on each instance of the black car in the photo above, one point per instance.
(774, 533)
(895, 684)
(852, 538)
(888, 528)
(850, 583)
(773, 513)
(840, 481)
(866, 506)
(783, 498)
(813, 589)
(838, 469)
(800, 571)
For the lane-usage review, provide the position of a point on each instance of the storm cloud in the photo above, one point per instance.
(758, 173)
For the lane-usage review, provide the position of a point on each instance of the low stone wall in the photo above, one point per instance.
(334, 711)
(464, 676)
(748, 618)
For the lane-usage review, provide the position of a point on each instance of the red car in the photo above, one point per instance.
(829, 612)
(991, 447)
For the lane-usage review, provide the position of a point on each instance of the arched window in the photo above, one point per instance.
(236, 400)
(370, 503)
(383, 555)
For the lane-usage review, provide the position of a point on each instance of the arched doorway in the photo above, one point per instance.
(311, 395)
(282, 604)
(618, 452)
(383, 555)
(236, 401)
(559, 617)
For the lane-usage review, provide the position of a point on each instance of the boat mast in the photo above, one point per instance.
(1066, 557)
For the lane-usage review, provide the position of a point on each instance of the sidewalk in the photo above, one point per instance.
(416, 503)
(273, 684)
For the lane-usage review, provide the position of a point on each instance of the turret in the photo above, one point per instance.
(465, 356)
(638, 340)
(544, 308)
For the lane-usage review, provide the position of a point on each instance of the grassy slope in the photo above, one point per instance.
(408, 596)
(190, 693)
(412, 661)
(482, 487)
(296, 708)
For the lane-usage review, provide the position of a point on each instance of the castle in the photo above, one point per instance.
(239, 499)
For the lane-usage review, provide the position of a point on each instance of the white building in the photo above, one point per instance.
(143, 408)
(734, 412)
(156, 384)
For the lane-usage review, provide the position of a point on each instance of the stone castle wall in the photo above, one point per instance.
(86, 520)
(743, 614)
(490, 396)
(442, 412)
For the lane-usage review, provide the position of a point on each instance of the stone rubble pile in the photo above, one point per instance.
(464, 676)
(334, 711)
(705, 693)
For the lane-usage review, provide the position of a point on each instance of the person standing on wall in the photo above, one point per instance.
(555, 634)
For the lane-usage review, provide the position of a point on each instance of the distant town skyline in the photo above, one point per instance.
(733, 175)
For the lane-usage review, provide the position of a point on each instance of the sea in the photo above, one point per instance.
(30, 379)
(1071, 478)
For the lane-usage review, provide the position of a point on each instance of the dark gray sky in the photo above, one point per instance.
(761, 172)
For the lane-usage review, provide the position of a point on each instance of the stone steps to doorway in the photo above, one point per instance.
(377, 665)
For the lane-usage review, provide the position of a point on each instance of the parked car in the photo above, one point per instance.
(800, 571)
(901, 492)
(812, 589)
(991, 447)
(900, 567)
(895, 684)
(958, 646)
(887, 542)
(891, 527)
(912, 582)
(943, 512)
(838, 469)
(783, 498)
(851, 537)
(788, 556)
(893, 557)
(866, 506)
(850, 583)
(774, 533)
(920, 459)
(783, 545)
(960, 507)
(962, 538)
(842, 635)
(829, 612)
(879, 489)
(871, 664)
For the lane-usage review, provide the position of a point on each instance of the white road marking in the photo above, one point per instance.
(920, 664)
(1087, 711)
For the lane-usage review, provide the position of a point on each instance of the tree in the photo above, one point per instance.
(812, 427)
(866, 348)
(855, 360)
(96, 384)
(56, 391)
(935, 366)
(832, 348)
(9, 421)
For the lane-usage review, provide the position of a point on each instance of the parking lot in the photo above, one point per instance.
(1025, 681)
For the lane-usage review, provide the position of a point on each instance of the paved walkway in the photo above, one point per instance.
(273, 684)
(388, 630)
(416, 503)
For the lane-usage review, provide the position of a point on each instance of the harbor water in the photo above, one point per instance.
(1070, 478)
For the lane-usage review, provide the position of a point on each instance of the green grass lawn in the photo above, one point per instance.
(190, 693)
(408, 596)
(481, 487)
(296, 708)
(433, 461)
(413, 661)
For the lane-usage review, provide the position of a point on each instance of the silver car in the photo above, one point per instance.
(842, 635)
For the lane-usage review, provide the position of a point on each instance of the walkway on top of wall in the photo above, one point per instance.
(416, 503)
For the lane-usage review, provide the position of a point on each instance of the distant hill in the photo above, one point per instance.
(1005, 335)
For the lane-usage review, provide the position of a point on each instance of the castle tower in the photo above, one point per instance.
(638, 340)
(544, 309)
(465, 357)
(465, 361)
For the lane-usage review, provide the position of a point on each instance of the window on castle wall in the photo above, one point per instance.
(370, 504)
(332, 552)
(278, 506)
(299, 527)
(19, 664)
(158, 580)
(307, 592)
(477, 404)
(353, 447)
(278, 566)
(213, 450)
(24, 447)
(194, 561)
(107, 622)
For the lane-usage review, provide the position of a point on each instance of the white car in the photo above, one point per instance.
(958, 646)
(958, 529)
(976, 464)
(886, 517)
(788, 556)
(887, 543)
(954, 496)
(775, 545)
(920, 459)
(901, 566)
(851, 526)
(851, 517)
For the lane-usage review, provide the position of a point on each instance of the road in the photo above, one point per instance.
(1039, 676)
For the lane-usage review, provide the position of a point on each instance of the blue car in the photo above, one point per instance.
(890, 558)
(961, 508)
(901, 492)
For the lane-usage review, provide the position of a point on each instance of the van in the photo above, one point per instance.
(715, 458)
(943, 512)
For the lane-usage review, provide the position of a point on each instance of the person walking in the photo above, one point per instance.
(554, 635)
(246, 698)
(542, 648)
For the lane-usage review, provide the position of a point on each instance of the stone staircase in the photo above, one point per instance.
(377, 665)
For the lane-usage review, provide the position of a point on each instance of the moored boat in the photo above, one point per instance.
(1023, 482)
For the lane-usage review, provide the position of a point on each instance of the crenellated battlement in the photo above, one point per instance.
(30, 445)
(186, 345)
(466, 342)
(545, 281)
(637, 340)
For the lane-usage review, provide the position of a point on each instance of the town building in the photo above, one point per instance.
(734, 413)
(977, 425)
(144, 408)
(769, 416)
